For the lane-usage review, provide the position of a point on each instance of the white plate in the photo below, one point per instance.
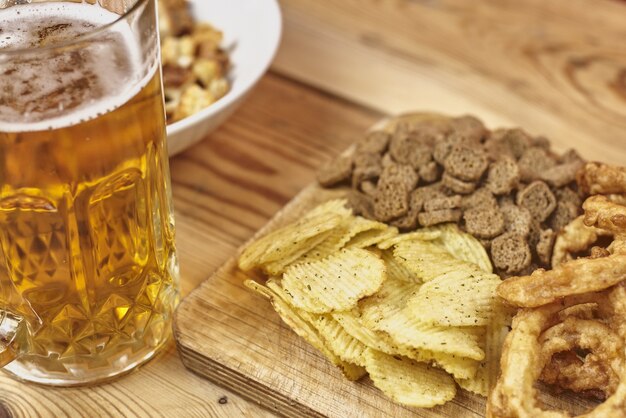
(252, 30)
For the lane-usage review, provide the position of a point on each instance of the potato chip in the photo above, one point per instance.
(410, 331)
(457, 366)
(305, 329)
(336, 206)
(372, 237)
(420, 235)
(342, 344)
(278, 267)
(335, 283)
(346, 347)
(284, 242)
(459, 298)
(463, 246)
(427, 260)
(397, 270)
(385, 311)
(340, 236)
(409, 382)
(479, 384)
(351, 323)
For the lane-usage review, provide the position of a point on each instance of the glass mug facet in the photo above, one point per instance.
(88, 269)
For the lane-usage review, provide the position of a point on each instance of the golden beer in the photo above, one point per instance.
(86, 226)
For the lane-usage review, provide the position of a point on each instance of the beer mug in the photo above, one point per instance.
(88, 269)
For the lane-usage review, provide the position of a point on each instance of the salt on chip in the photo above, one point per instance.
(335, 283)
(459, 298)
(291, 239)
(463, 246)
(409, 382)
(305, 329)
(420, 235)
(372, 237)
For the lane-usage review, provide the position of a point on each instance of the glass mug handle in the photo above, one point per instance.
(13, 335)
(18, 320)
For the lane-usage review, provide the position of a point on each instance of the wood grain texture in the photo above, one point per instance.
(225, 188)
(555, 68)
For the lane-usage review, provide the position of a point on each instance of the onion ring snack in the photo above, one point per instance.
(572, 330)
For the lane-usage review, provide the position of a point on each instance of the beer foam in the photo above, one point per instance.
(63, 87)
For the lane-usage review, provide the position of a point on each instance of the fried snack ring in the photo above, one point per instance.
(524, 357)
(602, 213)
(573, 278)
(598, 178)
(576, 237)
(598, 370)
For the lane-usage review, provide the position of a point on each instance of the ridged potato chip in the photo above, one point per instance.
(427, 260)
(397, 270)
(340, 236)
(305, 329)
(296, 238)
(372, 237)
(463, 246)
(386, 311)
(409, 382)
(458, 367)
(348, 349)
(335, 283)
(458, 298)
(421, 235)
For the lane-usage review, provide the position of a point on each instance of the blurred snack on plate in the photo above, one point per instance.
(195, 67)
(417, 312)
(505, 187)
(571, 330)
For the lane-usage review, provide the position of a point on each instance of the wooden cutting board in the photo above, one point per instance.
(234, 338)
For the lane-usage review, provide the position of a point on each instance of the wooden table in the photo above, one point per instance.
(556, 68)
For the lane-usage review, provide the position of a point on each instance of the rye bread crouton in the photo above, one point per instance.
(484, 221)
(545, 245)
(510, 253)
(508, 142)
(448, 202)
(367, 166)
(481, 197)
(534, 162)
(399, 173)
(411, 148)
(565, 212)
(538, 199)
(439, 217)
(517, 219)
(361, 204)
(416, 203)
(368, 187)
(466, 162)
(457, 186)
(469, 128)
(391, 200)
(375, 142)
(430, 172)
(335, 171)
(562, 174)
(503, 176)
